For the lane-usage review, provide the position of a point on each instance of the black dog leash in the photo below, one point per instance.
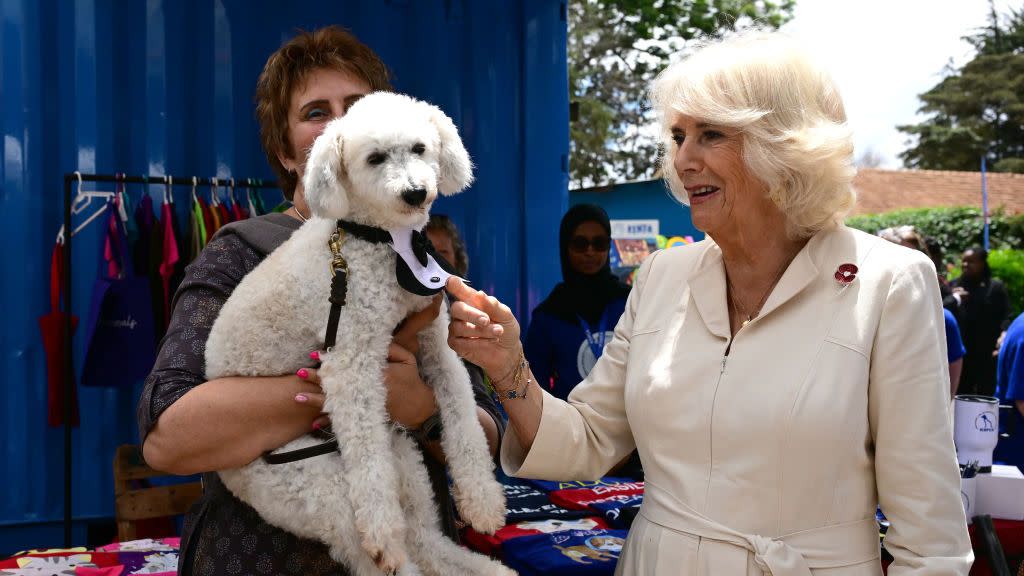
(422, 249)
(339, 289)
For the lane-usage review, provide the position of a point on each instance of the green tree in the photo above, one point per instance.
(616, 47)
(978, 109)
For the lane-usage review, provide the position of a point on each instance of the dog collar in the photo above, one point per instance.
(364, 232)
(418, 267)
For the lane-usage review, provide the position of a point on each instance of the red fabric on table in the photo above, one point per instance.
(490, 544)
(1011, 537)
(582, 498)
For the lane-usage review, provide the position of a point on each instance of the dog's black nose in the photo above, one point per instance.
(414, 196)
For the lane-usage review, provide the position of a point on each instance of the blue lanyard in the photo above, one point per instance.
(596, 342)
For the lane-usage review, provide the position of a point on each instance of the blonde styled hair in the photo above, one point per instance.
(790, 115)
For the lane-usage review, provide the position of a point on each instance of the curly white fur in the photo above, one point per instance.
(371, 502)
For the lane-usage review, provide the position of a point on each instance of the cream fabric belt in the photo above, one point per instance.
(792, 554)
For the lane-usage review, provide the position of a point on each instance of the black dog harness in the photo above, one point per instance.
(418, 269)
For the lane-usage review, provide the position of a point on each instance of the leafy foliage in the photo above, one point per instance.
(1008, 266)
(616, 48)
(955, 229)
(978, 109)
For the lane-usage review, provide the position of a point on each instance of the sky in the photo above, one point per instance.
(883, 53)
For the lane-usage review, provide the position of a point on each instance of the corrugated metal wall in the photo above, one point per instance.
(166, 86)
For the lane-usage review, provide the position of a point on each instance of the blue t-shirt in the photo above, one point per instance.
(567, 553)
(954, 344)
(1010, 388)
(559, 352)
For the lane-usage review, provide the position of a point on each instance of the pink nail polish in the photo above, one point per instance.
(301, 398)
(302, 373)
(314, 355)
(316, 425)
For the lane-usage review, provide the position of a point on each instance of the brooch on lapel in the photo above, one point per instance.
(845, 274)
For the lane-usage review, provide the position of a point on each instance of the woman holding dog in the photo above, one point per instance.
(190, 425)
(781, 378)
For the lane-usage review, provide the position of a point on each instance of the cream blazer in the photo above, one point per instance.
(772, 459)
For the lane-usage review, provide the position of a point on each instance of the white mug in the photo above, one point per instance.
(975, 428)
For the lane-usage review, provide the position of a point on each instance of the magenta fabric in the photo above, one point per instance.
(169, 260)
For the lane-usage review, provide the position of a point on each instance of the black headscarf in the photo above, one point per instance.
(585, 295)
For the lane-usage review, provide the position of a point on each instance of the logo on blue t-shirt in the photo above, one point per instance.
(601, 548)
(585, 359)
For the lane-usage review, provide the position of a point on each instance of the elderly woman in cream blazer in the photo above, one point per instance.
(781, 378)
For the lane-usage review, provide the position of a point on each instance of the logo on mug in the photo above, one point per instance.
(985, 422)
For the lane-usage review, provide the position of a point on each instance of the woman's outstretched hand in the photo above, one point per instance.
(482, 329)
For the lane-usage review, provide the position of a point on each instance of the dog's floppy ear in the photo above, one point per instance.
(325, 174)
(454, 166)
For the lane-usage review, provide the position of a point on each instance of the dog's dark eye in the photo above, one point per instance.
(377, 158)
(419, 149)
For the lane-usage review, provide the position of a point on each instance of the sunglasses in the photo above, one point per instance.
(580, 243)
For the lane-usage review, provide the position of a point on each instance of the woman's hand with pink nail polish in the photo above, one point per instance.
(311, 397)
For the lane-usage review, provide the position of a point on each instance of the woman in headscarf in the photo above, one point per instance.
(569, 329)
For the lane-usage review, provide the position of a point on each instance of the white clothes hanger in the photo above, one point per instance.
(168, 195)
(82, 201)
(252, 205)
(122, 196)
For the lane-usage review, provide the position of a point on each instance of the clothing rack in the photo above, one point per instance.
(69, 372)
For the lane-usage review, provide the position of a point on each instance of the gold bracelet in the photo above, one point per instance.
(521, 374)
(511, 372)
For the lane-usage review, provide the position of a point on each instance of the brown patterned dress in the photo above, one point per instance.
(223, 535)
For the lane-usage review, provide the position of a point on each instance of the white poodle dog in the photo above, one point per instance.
(381, 166)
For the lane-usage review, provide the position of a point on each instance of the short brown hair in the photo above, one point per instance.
(443, 223)
(908, 234)
(332, 48)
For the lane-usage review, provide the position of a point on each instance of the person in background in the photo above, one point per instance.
(1010, 391)
(569, 329)
(190, 425)
(447, 242)
(937, 256)
(981, 308)
(782, 378)
(909, 237)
